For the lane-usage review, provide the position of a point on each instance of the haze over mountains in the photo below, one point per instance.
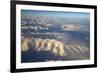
(47, 22)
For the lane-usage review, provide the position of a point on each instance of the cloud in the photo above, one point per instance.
(54, 46)
(24, 45)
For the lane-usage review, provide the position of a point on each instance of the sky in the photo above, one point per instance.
(55, 14)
